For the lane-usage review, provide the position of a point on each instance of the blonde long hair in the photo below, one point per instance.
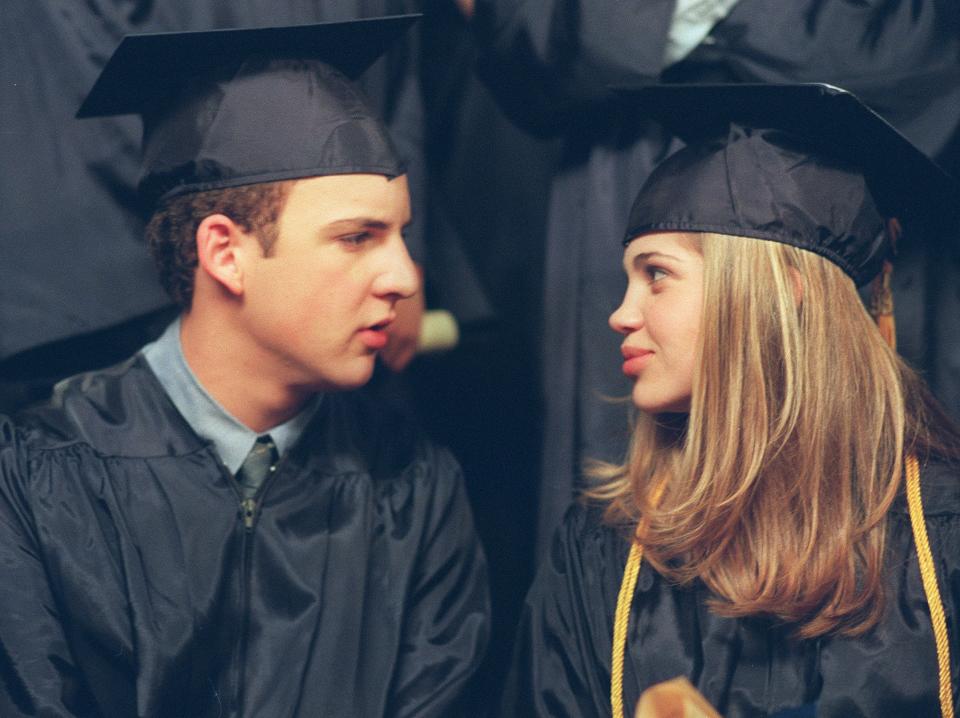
(778, 483)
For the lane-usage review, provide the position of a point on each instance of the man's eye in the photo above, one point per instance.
(355, 239)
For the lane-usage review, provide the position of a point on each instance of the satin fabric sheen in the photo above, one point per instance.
(767, 184)
(744, 667)
(132, 588)
(267, 121)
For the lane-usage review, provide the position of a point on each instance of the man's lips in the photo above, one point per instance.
(375, 336)
(635, 359)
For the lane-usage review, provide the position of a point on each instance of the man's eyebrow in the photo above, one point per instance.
(365, 223)
(353, 222)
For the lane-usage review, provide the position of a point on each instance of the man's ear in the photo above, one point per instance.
(219, 250)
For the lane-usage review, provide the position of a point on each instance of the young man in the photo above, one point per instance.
(213, 527)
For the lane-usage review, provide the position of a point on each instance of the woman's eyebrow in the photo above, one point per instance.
(645, 256)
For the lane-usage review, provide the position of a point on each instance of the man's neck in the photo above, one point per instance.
(231, 374)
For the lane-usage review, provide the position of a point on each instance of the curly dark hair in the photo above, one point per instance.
(172, 229)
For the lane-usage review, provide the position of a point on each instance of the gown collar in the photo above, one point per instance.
(232, 439)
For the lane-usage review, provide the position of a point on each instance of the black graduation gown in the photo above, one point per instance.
(133, 586)
(744, 667)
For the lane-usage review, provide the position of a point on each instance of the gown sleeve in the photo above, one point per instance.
(561, 663)
(893, 670)
(38, 675)
(446, 618)
(546, 60)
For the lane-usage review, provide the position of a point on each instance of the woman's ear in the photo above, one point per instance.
(219, 246)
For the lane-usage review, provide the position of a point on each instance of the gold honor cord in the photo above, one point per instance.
(621, 618)
(927, 573)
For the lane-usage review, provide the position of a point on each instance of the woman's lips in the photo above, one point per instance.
(636, 360)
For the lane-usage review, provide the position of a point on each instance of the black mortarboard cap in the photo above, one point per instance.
(225, 108)
(809, 165)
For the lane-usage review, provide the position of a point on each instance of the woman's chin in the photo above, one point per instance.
(653, 404)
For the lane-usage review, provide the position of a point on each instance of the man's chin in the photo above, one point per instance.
(345, 381)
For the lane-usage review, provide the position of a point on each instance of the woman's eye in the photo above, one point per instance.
(655, 273)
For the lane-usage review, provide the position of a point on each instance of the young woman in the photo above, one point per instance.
(785, 531)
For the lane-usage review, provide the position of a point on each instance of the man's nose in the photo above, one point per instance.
(400, 277)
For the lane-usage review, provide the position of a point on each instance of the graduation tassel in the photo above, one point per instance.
(881, 307)
(881, 297)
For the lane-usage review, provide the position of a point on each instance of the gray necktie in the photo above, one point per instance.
(257, 466)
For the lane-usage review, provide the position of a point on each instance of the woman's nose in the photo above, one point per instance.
(627, 317)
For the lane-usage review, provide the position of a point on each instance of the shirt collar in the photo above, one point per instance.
(231, 438)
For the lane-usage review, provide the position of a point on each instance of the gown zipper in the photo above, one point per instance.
(249, 509)
(248, 515)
